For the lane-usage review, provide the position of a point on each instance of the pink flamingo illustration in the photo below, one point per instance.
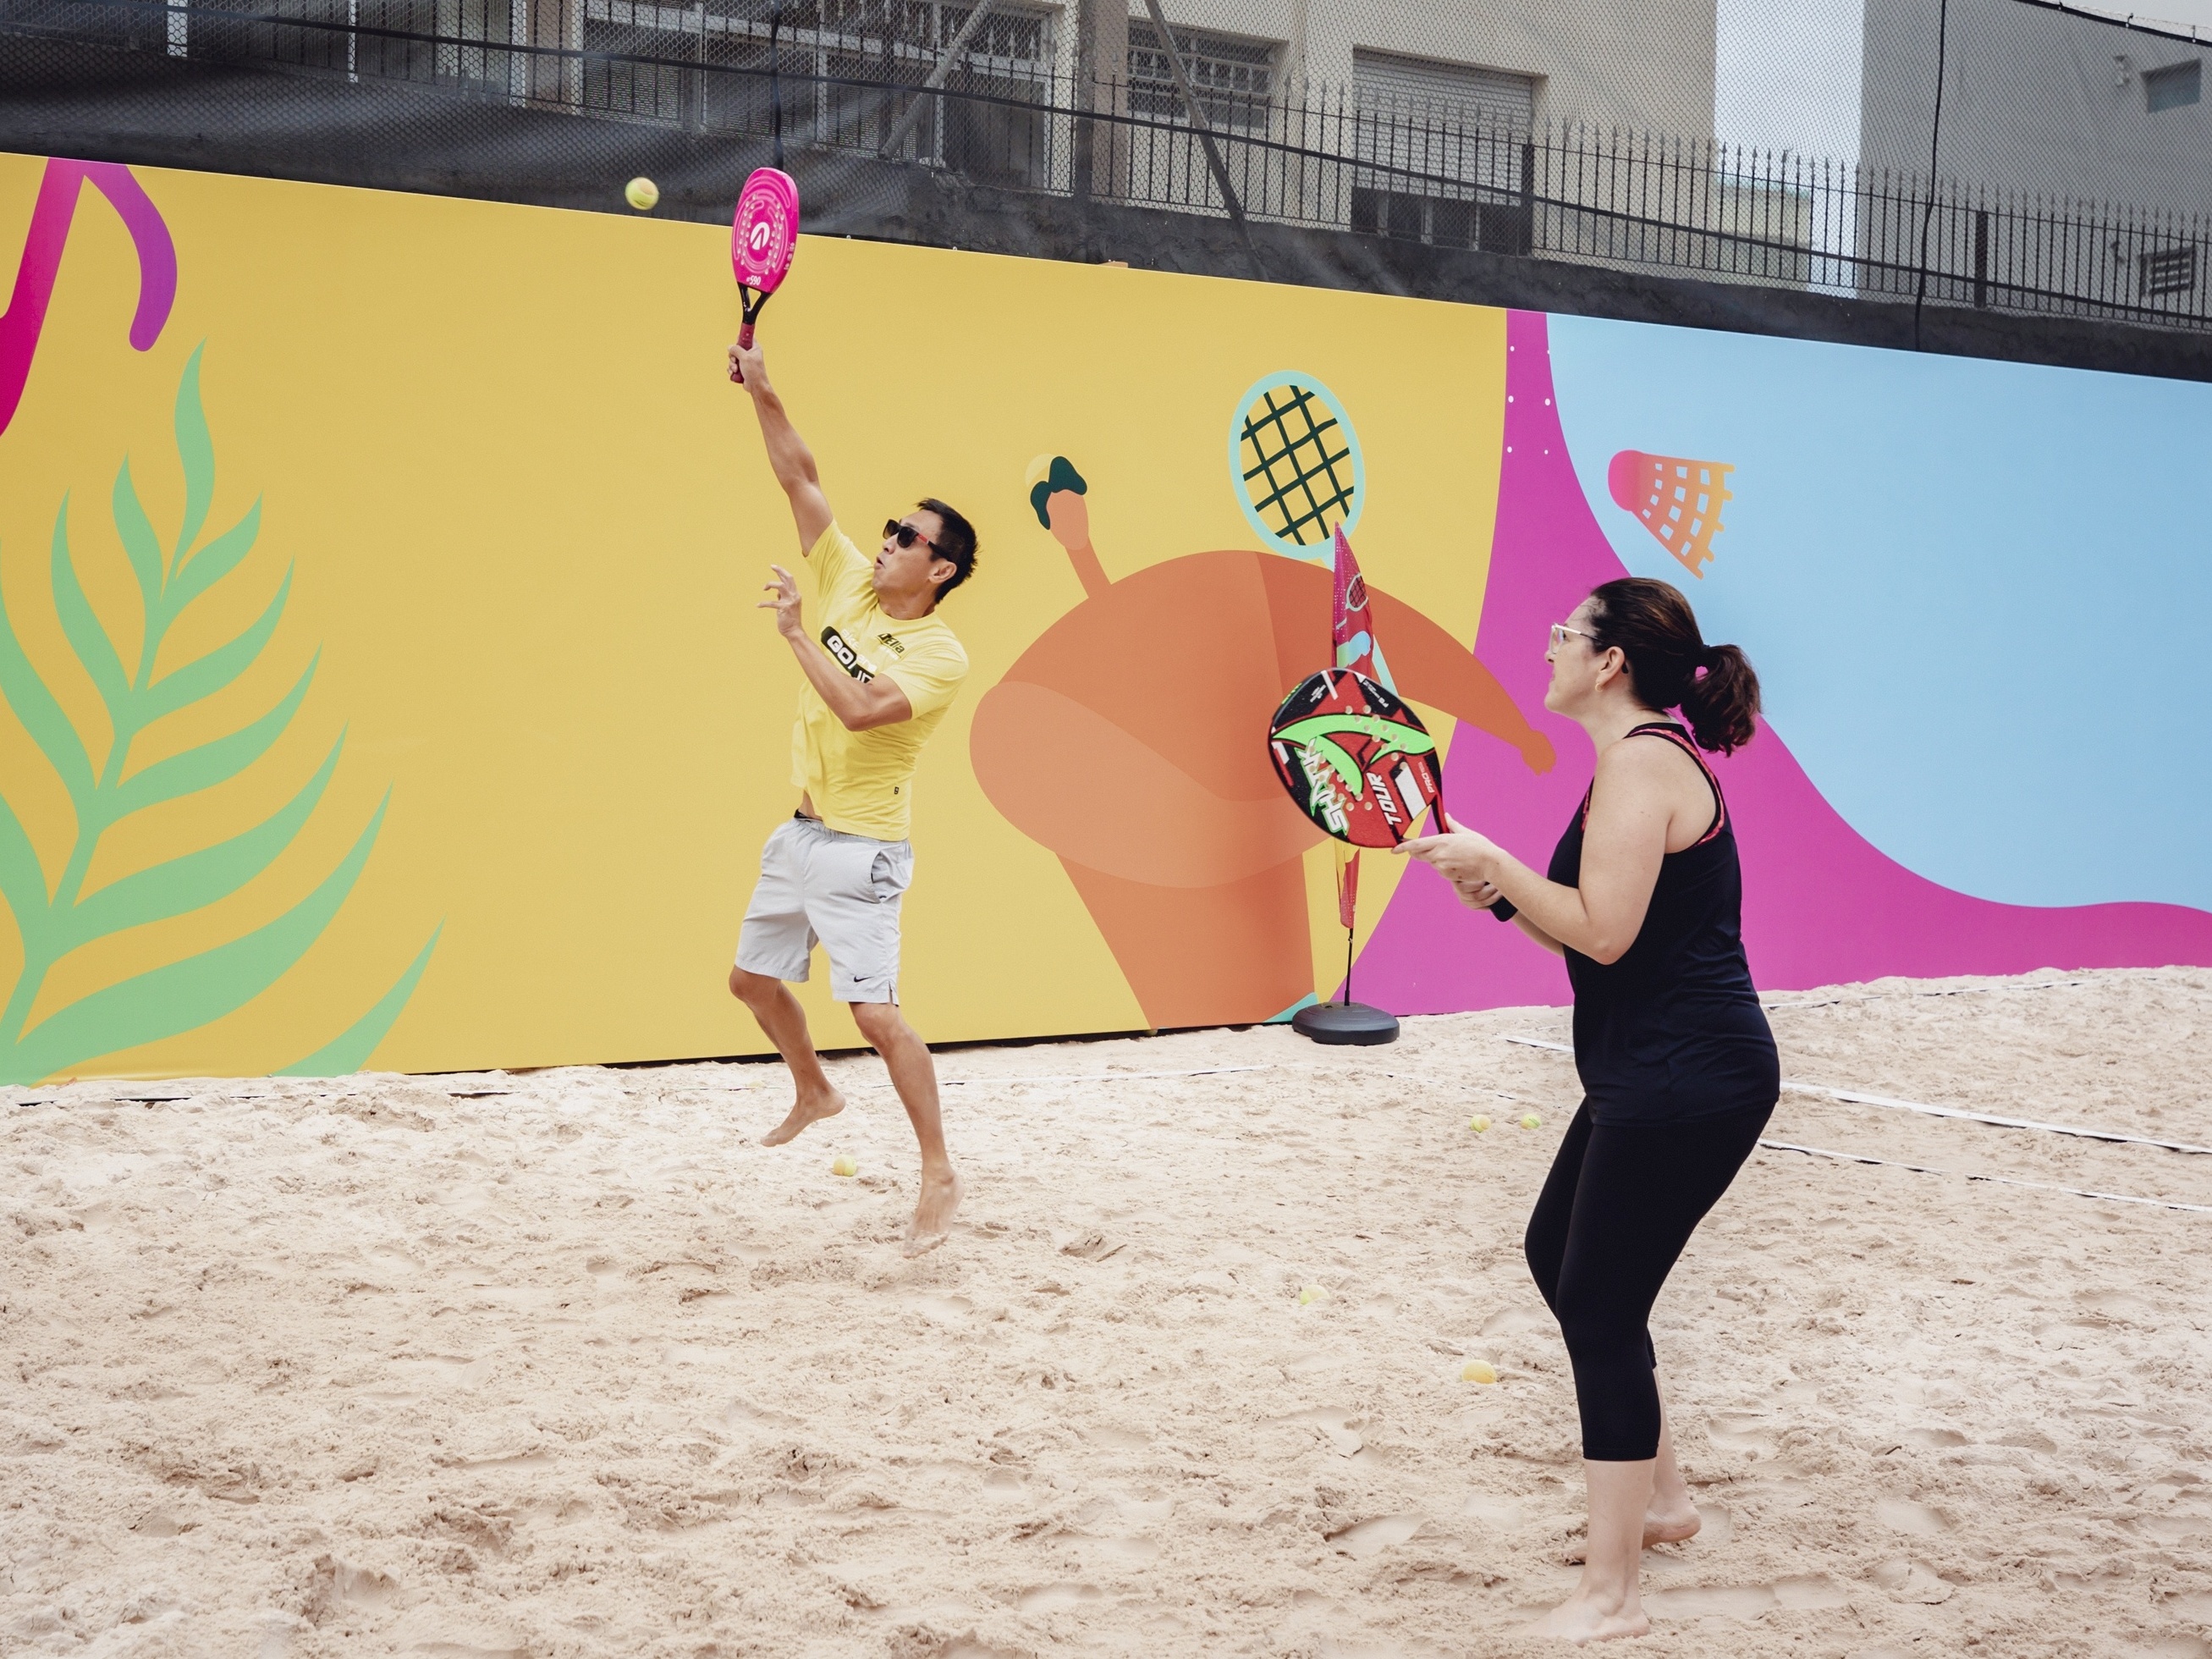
(50, 218)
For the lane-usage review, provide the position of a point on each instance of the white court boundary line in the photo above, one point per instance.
(1951, 991)
(1086, 1077)
(2001, 1180)
(1852, 1096)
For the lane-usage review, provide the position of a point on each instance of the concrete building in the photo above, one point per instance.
(1437, 100)
(2041, 101)
(1609, 64)
(2074, 150)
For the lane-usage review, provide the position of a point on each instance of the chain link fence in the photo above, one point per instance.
(2011, 155)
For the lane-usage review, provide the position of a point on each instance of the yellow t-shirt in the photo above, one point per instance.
(862, 782)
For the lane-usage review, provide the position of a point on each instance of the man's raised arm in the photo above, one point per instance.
(787, 453)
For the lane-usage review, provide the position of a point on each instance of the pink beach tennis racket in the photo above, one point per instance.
(763, 237)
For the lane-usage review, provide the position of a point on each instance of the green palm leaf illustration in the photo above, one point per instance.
(57, 917)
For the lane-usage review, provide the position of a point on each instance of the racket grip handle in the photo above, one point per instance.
(745, 343)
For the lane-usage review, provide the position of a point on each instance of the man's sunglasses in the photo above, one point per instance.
(906, 535)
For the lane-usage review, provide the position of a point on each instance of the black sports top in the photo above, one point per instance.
(1673, 1030)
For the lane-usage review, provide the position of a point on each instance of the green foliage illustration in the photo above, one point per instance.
(55, 919)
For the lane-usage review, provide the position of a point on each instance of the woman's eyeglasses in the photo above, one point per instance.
(906, 535)
(1559, 632)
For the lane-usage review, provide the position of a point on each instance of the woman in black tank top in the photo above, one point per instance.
(1644, 896)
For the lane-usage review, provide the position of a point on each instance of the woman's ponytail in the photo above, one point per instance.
(1722, 704)
(1671, 666)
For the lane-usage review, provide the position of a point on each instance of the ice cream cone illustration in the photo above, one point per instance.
(1678, 500)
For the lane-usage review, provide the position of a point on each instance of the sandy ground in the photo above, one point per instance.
(561, 1364)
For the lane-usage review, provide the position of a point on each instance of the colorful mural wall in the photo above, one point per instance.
(384, 686)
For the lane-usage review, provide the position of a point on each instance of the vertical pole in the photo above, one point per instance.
(699, 94)
(1082, 139)
(1526, 237)
(1101, 64)
(1981, 259)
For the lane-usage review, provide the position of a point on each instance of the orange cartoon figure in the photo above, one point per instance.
(1131, 739)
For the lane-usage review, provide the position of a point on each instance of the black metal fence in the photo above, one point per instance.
(982, 92)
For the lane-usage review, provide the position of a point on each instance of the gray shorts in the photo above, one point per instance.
(819, 884)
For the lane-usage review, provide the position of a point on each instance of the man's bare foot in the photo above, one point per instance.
(941, 1192)
(1580, 1619)
(1672, 1526)
(804, 1110)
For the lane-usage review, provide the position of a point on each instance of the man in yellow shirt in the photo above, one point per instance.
(881, 670)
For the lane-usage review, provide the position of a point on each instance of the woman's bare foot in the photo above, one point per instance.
(1581, 1618)
(1675, 1525)
(807, 1108)
(941, 1192)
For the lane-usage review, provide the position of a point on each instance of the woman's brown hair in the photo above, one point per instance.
(1671, 666)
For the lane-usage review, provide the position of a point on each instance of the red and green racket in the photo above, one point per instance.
(1356, 759)
(763, 237)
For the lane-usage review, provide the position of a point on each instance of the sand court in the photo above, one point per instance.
(562, 1363)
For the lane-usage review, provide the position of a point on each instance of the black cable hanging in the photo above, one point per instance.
(776, 75)
(1935, 143)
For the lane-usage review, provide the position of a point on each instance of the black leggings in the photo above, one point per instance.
(1614, 1216)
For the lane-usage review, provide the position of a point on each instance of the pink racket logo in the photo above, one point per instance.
(765, 230)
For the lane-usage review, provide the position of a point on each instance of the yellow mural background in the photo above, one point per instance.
(529, 519)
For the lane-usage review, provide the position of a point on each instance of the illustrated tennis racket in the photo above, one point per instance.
(763, 237)
(1296, 463)
(1356, 759)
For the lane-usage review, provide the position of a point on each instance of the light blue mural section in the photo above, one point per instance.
(1976, 594)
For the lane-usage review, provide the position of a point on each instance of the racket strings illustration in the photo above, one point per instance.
(1294, 442)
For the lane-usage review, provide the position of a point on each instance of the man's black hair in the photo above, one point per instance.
(955, 543)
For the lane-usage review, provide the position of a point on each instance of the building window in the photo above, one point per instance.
(1231, 79)
(1426, 93)
(1445, 148)
(2175, 85)
(2166, 271)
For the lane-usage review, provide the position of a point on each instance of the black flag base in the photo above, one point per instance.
(1345, 1022)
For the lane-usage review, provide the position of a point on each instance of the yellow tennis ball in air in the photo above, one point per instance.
(1478, 1370)
(1478, 1123)
(1530, 1121)
(843, 1166)
(1311, 1294)
(641, 194)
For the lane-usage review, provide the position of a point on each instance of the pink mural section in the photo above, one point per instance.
(1821, 905)
(51, 216)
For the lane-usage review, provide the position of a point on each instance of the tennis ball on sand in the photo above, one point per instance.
(1478, 1123)
(1478, 1370)
(1530, 1121)
(843, 1166)
(1311, 1294)
(641, 194)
